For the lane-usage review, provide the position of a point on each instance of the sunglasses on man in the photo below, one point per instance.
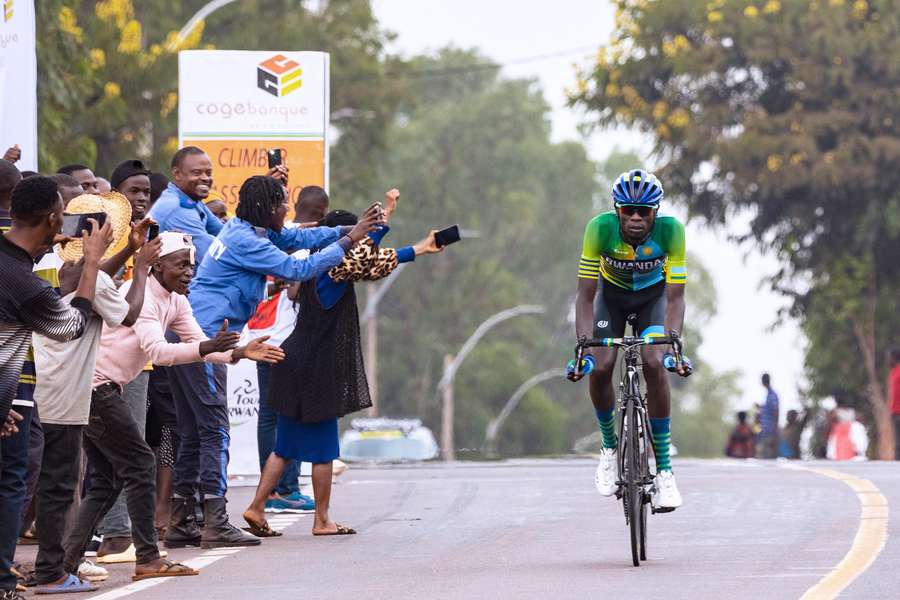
(642, 211)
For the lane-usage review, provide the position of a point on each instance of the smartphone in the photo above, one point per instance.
(153, 231)
(448, 236)
(274, 156)
(75, 225)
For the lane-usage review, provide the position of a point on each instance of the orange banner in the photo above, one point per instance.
(236, 160)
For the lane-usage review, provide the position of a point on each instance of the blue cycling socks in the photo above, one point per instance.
(662, 439)
(607, 428)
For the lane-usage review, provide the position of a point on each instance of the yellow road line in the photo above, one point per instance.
(870, 536)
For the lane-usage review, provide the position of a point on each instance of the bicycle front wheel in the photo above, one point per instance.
(635, 488)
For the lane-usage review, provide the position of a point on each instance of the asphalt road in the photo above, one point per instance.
(537, 529)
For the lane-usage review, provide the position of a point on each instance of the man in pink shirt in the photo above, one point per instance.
(117, 450)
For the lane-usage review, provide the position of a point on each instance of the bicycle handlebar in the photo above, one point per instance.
(673, 339)
(626, 342)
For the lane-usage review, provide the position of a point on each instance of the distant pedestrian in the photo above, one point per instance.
(895, 399)
(789, 447)
(768, 421)
(848, 439)
(741, 441)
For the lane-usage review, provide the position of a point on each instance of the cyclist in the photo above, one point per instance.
(636, 261)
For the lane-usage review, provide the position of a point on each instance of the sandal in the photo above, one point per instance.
(169, 569)
(261, 529)
(341, 530)
(71, 585)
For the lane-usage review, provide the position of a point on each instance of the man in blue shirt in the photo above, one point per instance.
(181, 207)
(768, 421)
(229, 284)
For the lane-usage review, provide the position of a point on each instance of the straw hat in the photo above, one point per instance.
(118, 213)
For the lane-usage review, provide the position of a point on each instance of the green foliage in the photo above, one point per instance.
(791, 110)
(475, 150)
(109, 76)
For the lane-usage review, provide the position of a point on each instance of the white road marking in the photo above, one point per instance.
(199, 562)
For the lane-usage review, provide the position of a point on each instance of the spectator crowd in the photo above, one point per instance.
(122, 300)
(830, 430)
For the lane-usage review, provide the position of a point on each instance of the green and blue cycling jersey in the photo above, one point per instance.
(661, 257)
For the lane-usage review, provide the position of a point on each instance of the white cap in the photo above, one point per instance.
(173, 241)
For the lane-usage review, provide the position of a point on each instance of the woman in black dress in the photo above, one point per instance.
(323, 377)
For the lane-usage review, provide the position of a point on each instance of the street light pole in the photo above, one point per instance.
(452, 364)
(208, 9)
(490, 435)
(370, 320)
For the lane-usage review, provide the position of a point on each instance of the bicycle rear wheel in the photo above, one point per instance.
(634, 487)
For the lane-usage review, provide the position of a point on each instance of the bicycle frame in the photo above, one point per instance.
(634, 479)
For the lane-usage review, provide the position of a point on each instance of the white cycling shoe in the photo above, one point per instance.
(605, 478)
(665, 497)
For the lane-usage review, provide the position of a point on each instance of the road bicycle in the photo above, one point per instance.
(634, 479)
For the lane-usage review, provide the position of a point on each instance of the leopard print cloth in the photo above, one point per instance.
(365, 262)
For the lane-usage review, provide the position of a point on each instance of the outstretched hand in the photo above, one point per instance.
(428, 245)
(13, 154)
(371, 219)
(279, 172)
(223, 342)
(259, 351)
(148, 255)
(95, 241)
(138, 235)
(391, 199)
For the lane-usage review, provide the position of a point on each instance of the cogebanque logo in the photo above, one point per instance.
(279, 75)
(7, 11)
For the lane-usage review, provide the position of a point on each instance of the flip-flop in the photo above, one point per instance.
(341, 530)
(169, 569)
(261, 529)
(70, 586)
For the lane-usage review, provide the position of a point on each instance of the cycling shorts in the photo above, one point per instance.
(613, 305)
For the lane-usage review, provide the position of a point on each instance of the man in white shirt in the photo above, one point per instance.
(64, 393)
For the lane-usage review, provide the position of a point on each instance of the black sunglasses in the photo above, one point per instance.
(643, 211)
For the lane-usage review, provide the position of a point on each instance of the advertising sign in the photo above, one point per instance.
(236, 105)
(18, 81)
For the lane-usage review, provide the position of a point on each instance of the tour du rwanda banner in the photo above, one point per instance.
(18, 81)
(236, 105)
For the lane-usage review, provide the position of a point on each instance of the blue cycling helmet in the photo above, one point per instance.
(637, 187)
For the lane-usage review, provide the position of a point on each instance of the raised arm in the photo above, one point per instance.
(588, 278)
(135, 297)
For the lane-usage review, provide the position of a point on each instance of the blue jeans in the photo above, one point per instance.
(13, 473)
(202, 410)
(265, 436)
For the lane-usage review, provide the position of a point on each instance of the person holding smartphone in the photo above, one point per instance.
(324, 352)
(230, 283)
(29, 304)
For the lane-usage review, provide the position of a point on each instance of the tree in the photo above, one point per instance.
(786, 109)
(474, 148)
(109, 76)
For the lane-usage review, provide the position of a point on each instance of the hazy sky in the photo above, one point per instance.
(520, 31)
